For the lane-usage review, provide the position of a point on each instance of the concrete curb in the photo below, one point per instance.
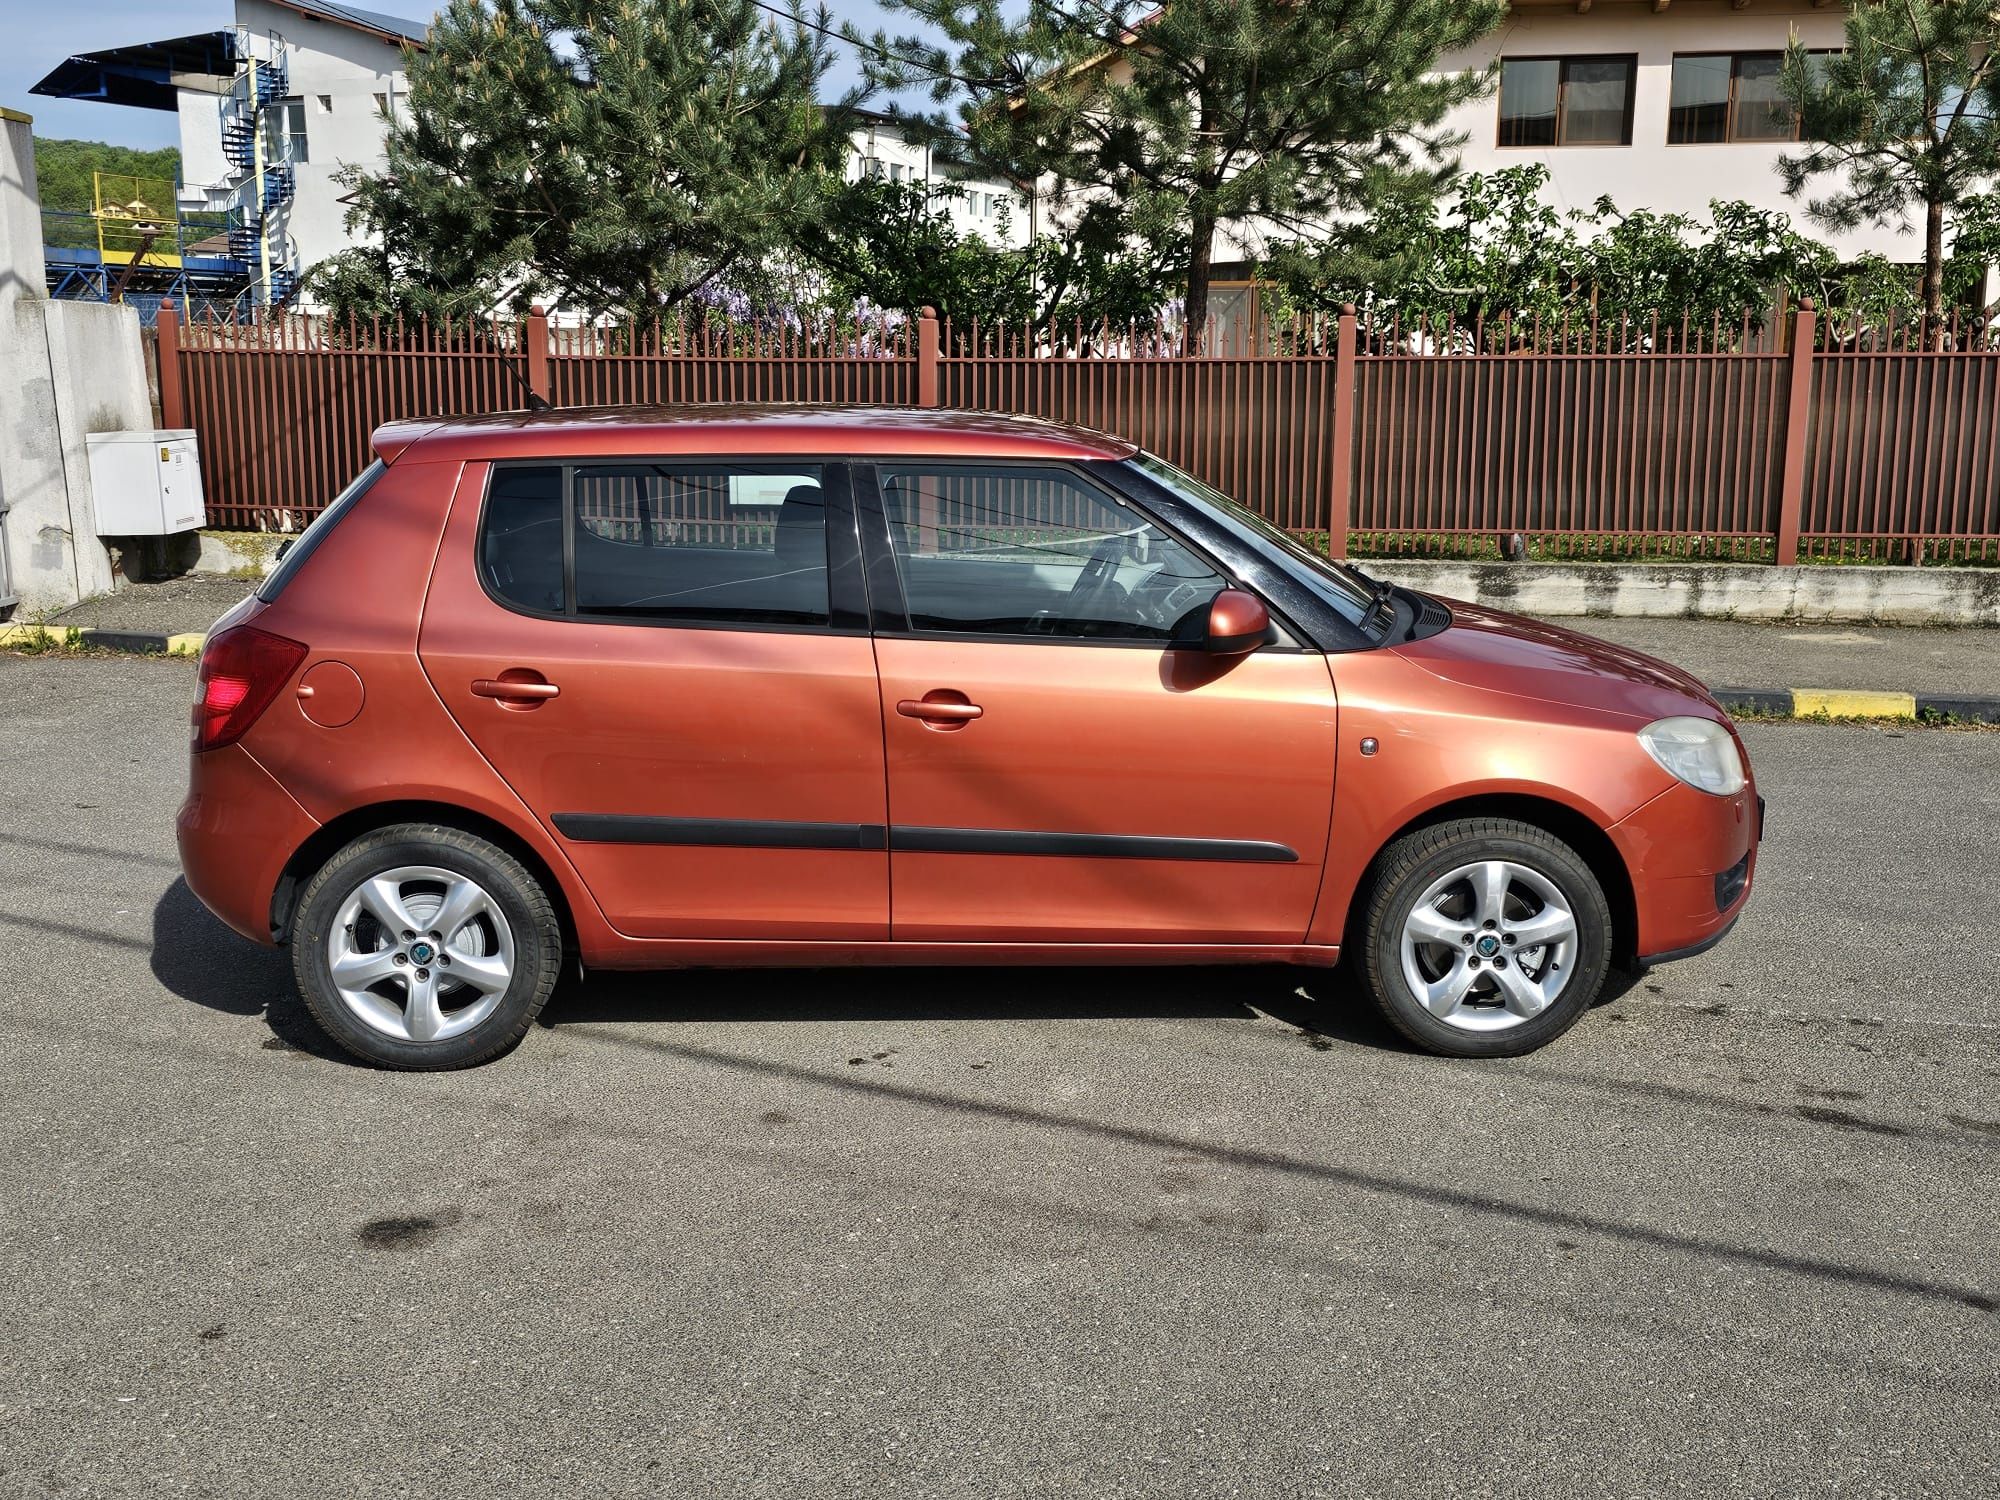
(1776, 703)
(1855, 703)
(90, 637)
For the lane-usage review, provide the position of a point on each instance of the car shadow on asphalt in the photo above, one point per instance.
(200, 960)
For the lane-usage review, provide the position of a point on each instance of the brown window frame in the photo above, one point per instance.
(1729, 136)
(1563, 60)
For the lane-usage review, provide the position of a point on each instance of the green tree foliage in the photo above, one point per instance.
(1907, 117)
(617, 157)
(894, 245)
(1975, 246)
(1184, 118)
(65, 172)
(1500, 256)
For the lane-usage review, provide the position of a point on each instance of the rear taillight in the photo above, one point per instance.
(242, 670)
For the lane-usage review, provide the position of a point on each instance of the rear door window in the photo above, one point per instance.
(719, 543)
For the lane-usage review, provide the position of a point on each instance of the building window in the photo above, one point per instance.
(285, 130)
(325, 103)
(1566, 101)
(1731, 96)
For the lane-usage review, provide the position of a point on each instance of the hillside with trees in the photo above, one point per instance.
(65, 171)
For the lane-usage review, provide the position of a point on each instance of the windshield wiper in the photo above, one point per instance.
(1382, 598)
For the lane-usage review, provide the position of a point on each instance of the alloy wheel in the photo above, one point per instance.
(1489, 946)
(419, 953)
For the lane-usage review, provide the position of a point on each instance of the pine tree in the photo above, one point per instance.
(1908, 116)
(611, 156)
(1201, 113)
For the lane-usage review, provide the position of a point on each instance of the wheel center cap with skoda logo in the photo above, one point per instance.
(1487, 946)
(422, 953)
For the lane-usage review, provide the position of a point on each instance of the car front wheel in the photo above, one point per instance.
(425, 947)
(1484, 937)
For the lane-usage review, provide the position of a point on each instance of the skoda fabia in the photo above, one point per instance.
(765, 686)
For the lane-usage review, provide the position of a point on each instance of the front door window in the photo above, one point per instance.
(1036, 552)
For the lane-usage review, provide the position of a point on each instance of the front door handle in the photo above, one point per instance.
(516, 688)
(943, 709)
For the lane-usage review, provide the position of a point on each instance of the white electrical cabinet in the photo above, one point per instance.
(145, 483)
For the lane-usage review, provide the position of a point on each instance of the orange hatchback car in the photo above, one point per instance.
(786, 686)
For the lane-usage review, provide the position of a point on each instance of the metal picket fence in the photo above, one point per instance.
(1594, 440)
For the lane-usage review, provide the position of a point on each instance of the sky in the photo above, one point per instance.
(41, 33)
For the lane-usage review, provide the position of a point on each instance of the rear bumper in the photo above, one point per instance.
(236, 830)
(1693, 860)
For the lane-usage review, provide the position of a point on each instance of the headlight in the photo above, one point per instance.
(1698, 751)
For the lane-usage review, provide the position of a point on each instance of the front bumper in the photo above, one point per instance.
(236, 831)
(1693, 860)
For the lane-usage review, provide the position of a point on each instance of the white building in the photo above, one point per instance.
(270, 108)
(996, 210)
(1665, 105)
(1657, 104)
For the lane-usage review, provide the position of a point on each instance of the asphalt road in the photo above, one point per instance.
(995, 1234)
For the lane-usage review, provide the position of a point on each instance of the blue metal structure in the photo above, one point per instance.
(211, 258)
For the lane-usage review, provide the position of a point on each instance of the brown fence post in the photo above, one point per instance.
(927, 357)
(535, 341)
(167, 349)
(1340, 490)
(1792, 481)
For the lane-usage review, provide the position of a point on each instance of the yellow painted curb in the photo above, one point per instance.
(1845, 703)
(37, 635)
(187, 644)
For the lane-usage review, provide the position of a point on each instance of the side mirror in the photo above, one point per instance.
(1238, 624)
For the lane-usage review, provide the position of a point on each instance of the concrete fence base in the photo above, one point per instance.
(1696, 591)
(1713, 591)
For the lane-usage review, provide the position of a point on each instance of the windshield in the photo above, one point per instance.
(1341, 586)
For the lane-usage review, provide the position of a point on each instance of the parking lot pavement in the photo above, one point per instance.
(171, 607)
(1955, 661)
(985, 1234)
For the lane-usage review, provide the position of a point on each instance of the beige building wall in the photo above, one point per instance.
(1649, 173)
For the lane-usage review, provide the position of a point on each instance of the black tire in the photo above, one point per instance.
(1406, 871)
(520, 898)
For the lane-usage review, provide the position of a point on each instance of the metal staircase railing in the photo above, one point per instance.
(266, 180)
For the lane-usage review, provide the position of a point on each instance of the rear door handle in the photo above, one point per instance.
(515, 689)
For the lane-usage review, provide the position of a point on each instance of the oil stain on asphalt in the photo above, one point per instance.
(412, 1232)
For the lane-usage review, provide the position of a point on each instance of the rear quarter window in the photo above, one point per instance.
(308, 541)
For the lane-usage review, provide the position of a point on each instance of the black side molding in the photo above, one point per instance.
(1087, 845)
(726, 833)
(754, 833)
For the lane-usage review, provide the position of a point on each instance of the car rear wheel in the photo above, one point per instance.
(1484, 937)
(425, 947)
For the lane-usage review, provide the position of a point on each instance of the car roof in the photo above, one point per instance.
(742, 431)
